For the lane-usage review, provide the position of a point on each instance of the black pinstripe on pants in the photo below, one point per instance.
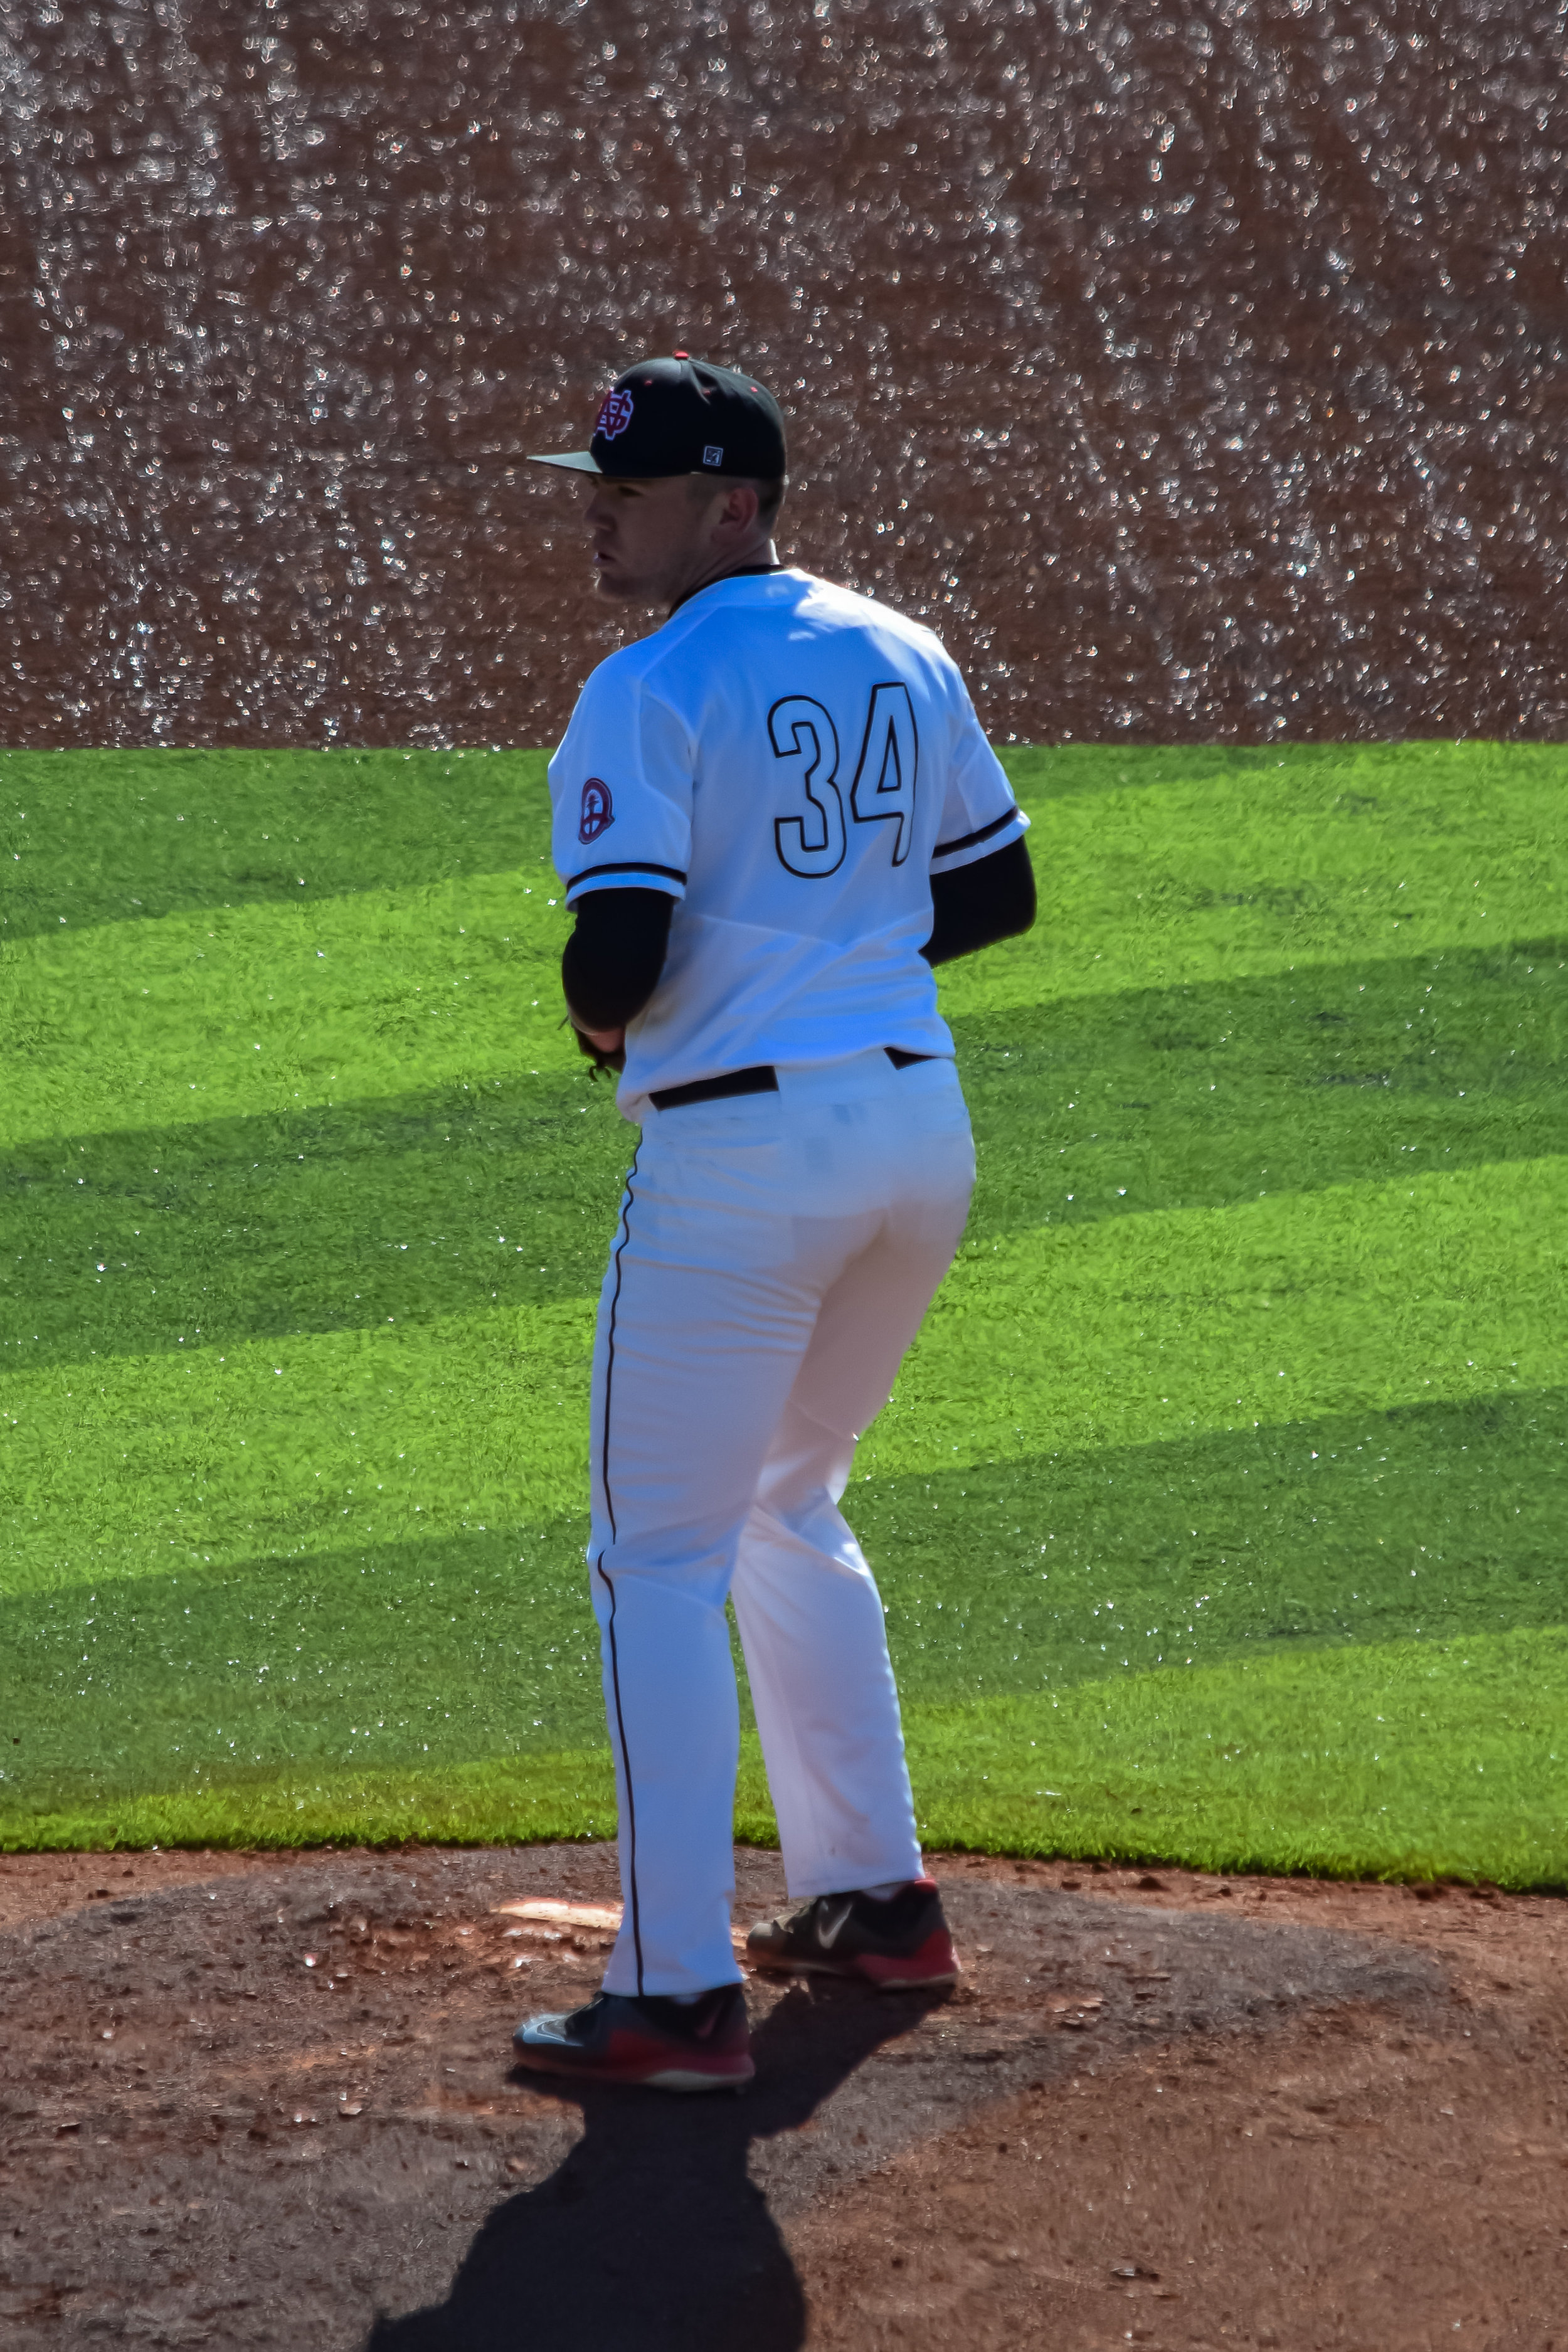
(620, 1726)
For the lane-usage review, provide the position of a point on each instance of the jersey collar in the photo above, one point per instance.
(742, 571)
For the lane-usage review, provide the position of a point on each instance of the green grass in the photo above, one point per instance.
(1218, 1512)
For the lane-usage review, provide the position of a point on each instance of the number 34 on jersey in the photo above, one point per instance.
(814, 842)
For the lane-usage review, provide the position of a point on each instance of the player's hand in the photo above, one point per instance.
(605, 1048)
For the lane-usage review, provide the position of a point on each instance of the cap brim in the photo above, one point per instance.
(576, 461)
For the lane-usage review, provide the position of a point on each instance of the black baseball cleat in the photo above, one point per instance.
(667, 2045)
(901, 1945)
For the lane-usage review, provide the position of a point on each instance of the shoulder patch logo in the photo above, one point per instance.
(598, 810)
(615, 413)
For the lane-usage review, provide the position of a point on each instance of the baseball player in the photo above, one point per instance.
(772, 816)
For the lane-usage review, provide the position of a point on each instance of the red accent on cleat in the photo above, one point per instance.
(935, 1963)
(898, 1943)
(632, 2057)
(618, 2038)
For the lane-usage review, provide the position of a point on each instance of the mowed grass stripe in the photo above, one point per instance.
(1431, 1521)
(1364, 770)
(1118, 1333)
(1204, 1097)
(337, 1218)
(1410, 1759)
(439, 1202)
(1225, 868)
(1363, 1526)
(1401, 1759)
(125, 837)
(105, 836)
(229, 1012)
(496, 1801)
(1229, 996)
(245, 1007)
(1285, 1307)
(292, 1445)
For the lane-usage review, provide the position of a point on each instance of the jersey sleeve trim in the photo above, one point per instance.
(630, 874)
(968, 846)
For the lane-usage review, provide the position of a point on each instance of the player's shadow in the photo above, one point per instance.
(651, 2235)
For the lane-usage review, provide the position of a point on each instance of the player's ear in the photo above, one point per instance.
(741, 505)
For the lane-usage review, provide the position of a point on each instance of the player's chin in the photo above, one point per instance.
(625, 588)
(609, 582)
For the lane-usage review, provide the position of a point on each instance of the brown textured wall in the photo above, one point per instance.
(1198, 369)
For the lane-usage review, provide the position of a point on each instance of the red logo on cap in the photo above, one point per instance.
(615, 413)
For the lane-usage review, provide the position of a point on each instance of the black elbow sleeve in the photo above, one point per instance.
(611, 964)
(977, 905)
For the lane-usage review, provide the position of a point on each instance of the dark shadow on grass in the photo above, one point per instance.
(1221, 1544)
(651, 2236)
(342, 1216)
(1362, 1071)
(447, 1650)
(347, 1216)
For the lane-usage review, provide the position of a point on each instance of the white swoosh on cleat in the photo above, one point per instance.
(828, 1936)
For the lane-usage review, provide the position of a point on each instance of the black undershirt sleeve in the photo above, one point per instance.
(610, 965)
(974, 905)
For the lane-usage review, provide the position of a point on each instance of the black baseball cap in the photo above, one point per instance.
(681, 415)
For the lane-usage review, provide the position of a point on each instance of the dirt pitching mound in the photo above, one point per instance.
(268, 2101)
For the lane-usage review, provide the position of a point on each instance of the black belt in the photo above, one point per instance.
(760, 1080)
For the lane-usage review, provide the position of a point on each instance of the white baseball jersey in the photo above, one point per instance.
(791, 762)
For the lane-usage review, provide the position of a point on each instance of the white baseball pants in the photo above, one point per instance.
(775, 1256)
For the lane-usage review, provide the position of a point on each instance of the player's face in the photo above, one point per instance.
(641, 532)
(653, 541)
